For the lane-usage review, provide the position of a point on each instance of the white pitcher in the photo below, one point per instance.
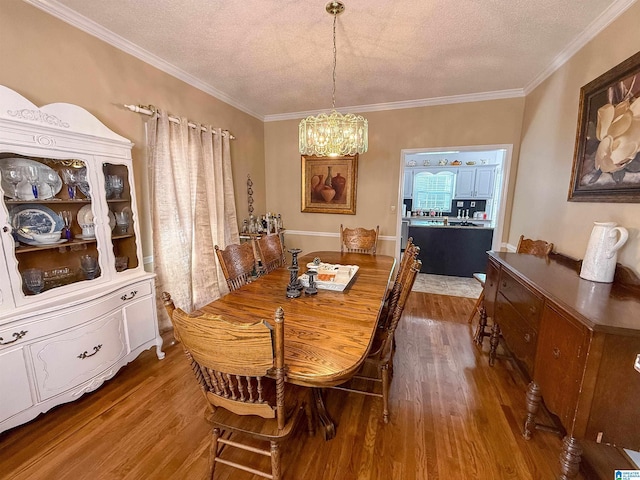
(599, 264)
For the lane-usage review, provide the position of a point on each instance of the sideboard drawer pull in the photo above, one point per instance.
(86, 354)
(556, 352)
(18, 336)
(126, 297)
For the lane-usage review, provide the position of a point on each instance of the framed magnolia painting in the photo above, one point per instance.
(606, 163)
(329, 184)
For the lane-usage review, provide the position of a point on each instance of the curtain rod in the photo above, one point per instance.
(150, 110)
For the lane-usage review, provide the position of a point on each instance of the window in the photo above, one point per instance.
(433, 190)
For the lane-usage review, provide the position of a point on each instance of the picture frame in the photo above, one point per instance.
(337, 195)
(606, 163)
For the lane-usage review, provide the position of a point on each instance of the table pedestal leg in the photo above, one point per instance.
(328, 427)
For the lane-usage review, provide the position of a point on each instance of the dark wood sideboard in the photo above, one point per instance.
(576, 341)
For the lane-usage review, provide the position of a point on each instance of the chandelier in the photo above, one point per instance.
(333, 134)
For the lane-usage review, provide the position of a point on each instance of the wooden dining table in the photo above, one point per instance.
(327, 335)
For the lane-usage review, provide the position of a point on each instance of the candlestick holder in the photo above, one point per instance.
(294, 256)
(311, 289)
(292, 288)
(294, 263)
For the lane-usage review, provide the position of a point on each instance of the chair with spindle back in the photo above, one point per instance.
(238, 264)
(383, 349)
(241, 371)
(271, 252)
(409, 256)
(526, 246)
(359, 240)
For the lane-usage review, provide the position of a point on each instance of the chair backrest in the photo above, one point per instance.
(399, 296)
(533, 247)
(271, 252)
(238, 263)
(231, 361)
(409, 256)
(411, 252)
(359, 240)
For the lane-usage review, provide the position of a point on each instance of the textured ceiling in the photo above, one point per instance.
(273, 58)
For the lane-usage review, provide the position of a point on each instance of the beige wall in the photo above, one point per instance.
(540, 208)
(478, 123)
(48, 61)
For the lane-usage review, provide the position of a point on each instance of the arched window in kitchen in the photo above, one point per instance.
(433, 190)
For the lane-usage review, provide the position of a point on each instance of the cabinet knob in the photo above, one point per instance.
(527, 337)
(504, 284)
(556, 352)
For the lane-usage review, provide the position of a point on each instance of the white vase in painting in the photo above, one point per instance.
(599, 264)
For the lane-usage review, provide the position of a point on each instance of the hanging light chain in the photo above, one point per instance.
(335, 61)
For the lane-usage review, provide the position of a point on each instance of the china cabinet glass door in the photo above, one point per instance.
(50, 211)
(118, 195)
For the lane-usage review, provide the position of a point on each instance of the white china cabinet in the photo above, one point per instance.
(75, 302)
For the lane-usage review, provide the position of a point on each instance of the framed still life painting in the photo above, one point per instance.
(606, 163)
(329, 184)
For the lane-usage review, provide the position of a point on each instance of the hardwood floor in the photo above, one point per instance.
(452, 417)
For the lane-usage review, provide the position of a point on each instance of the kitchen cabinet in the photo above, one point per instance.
(408, 183)
(77, 307)
(452, 250)
(475, 182)
(577, 342)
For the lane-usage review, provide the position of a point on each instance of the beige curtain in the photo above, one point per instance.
(192, 209)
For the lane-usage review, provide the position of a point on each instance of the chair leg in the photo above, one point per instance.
(213, 451)
(275, 460)
(477, 307)
(385, 392)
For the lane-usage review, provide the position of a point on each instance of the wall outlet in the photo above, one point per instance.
(473, 204)
(459, 204)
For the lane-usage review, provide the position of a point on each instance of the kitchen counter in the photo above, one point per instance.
(455, 223)
(458, 251)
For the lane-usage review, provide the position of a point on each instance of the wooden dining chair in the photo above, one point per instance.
(359, 240)
(271, 252)
(377, 368)
(409, 256)
(533, 247)
(526, 246)
(238, 263)
(241, 371)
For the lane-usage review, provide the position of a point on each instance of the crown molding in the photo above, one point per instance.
(603, 21)
(423, 102)
(92, 28)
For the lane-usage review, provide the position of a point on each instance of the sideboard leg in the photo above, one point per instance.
(482, 326)
(534, 398)
(570, 458)
(493, 341)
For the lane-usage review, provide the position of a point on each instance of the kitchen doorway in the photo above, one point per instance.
(482, 203)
